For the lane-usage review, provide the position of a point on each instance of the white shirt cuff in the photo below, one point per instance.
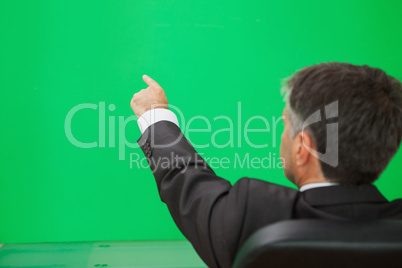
(150, 117)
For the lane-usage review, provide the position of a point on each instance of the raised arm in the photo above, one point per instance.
(196, 197)
(213, 215)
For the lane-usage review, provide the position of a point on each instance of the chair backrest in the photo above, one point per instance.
(323, 243)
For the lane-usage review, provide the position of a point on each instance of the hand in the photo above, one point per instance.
(150, 98)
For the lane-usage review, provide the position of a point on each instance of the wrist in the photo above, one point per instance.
(152, 107)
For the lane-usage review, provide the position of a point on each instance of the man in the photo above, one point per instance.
(333, 167)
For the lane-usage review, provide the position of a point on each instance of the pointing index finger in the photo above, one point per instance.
(150, 82)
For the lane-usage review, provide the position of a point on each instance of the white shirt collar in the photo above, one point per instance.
(316, 185)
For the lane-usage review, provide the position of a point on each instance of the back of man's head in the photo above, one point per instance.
(369, 116)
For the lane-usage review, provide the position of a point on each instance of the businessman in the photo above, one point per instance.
(332, 164)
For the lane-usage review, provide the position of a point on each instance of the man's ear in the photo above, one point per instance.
(303, 141)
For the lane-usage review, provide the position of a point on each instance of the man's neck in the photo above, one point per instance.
(306, 179)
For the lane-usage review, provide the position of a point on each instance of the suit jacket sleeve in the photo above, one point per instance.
(206, 208)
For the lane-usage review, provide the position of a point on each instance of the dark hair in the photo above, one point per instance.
(369, 116)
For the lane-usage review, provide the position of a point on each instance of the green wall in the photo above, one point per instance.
(208, 55)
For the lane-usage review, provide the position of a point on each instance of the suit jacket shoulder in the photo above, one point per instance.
(248, 206)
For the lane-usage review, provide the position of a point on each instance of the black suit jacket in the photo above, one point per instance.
(217, 217)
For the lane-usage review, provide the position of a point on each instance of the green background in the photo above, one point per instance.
(207, 55)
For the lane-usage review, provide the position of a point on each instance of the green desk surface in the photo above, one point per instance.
(167, 253)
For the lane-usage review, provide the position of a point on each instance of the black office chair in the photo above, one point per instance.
(323, 243)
